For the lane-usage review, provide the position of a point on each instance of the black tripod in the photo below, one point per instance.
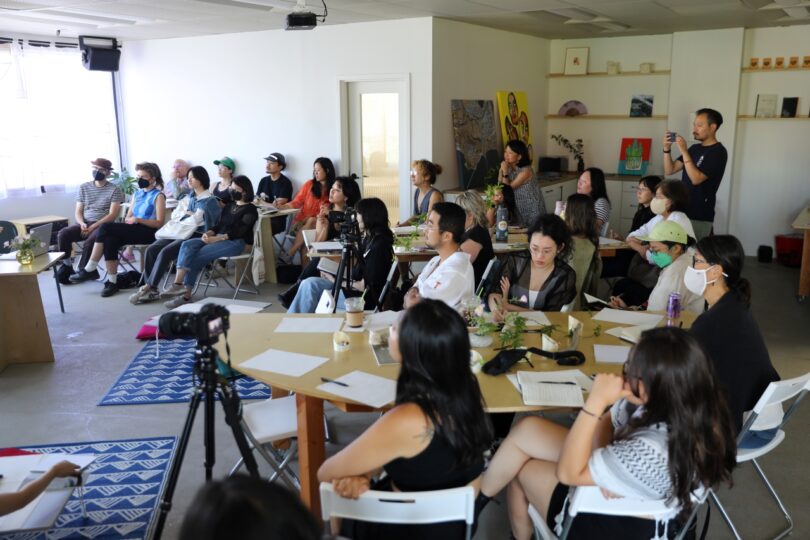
(210, 383)
(347, 255)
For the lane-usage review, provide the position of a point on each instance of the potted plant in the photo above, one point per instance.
(577, 148)
(405, 243)
(490, 191)
(125, 181)
(24, 246)
(479, 327)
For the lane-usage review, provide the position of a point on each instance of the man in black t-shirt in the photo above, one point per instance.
(703, 165)
(275, 189)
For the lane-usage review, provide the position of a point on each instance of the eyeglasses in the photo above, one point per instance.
(642, 188)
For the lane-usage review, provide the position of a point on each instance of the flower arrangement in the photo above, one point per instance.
(405, 243)
(24, 242)
(577, 148)
(512, 332)
(490, 191)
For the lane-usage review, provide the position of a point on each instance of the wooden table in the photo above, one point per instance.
(252, 334)
(23, 225)
(802, 222)
(24, 336)
(268, 243)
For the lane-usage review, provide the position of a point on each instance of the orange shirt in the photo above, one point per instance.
(309, 204)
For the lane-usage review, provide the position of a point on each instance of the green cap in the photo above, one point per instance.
(228, 162)
(666, 231)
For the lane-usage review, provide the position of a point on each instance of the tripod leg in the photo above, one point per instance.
(233, 416)
(174, 472)
(208, 437)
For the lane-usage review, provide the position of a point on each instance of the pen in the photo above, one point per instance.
(557, 382)
(327, 380)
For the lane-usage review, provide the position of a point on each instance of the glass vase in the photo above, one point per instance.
(25, 256)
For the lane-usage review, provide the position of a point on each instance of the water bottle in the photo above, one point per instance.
(501, 224)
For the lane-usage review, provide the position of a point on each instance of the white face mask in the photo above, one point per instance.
(696, 281)
(658, 206)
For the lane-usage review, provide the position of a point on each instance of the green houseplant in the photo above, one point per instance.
(125, 181)
(577, 148)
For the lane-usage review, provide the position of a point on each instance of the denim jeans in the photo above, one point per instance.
(195, 254)
(309, 294)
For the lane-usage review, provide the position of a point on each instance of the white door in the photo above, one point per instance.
(377, 137)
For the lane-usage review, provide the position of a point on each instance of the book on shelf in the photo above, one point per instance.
(789, 106)
(766, 106)
(641, 106)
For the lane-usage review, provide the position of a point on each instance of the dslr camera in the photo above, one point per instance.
(347, 216)
(205, 326)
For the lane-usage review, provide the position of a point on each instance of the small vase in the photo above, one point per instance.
(580, 166)
(477, 341)
(25, 256)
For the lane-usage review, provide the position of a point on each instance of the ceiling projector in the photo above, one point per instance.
(301, 20)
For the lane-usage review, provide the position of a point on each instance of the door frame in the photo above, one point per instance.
(404, 84)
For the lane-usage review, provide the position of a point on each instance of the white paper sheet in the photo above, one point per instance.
(552, 395)
(565, 375)
(611, 354)
(627, 333)
(327, 246)
(309, 325)
(363, 388)
(375, 321)
(283, 362)
(632, 318)
(594, 300)
(535, 318)
(407, 229)
(604, 241)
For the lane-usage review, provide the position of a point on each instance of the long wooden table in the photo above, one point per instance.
(802, 222)
(253, 334)
(24, 336)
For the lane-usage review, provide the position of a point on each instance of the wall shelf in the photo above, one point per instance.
(607, 117)
(774, 70)
(605, 74)
(750, 117)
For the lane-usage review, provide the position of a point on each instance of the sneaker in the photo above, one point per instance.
(63, 274)
(173, 290)
(83, 275)
(143, 296)
(109, 289)
(127, 256)
(177, 301)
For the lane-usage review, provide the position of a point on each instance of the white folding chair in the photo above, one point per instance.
(389, 282)
(268, 421)
(766, 415)
(248, 258)
(479, 290)
(414, 507)
(589, 500)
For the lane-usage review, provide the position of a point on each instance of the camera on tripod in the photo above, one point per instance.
(349, 228)
(211, 321)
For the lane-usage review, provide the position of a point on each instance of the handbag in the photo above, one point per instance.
(177, 230)
(257, 269)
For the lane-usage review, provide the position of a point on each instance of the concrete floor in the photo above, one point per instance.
(94, 341)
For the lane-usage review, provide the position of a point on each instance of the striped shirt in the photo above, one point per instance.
(602, 207)
(96, 201)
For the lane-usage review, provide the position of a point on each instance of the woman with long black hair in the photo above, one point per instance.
(437, 432)
(659, 431)
(308, 200)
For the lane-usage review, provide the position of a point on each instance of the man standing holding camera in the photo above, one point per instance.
(703, 165)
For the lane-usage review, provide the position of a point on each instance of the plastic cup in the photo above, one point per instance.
(354, 312)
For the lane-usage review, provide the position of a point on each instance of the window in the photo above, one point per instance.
(56, 118)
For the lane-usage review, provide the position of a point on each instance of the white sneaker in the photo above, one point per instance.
(143, 296)
(173, 290)
(176, 302)
(135, 298)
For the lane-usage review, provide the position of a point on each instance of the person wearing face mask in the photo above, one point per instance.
(669, 251)
(542, 282)
(727, 329)
(232, 235)
(628, 440)
(98, 202)
(144, 217)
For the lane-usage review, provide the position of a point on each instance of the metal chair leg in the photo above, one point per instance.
(777, 499)
(58, 288)
(723, 513)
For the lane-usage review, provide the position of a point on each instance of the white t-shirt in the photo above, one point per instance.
(670, 280)
(450, 281)
(678, 217)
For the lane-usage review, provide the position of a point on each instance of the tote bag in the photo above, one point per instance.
(257, 269)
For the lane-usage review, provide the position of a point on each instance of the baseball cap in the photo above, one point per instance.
(228, 162)
(666, 231)
(278, 158)
(102, 163)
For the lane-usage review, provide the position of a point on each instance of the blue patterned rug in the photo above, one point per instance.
(122, 490)
(167, 379)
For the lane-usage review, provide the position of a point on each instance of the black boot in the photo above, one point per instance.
(287, 296)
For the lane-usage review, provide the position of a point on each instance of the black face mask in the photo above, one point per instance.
(99, 176)
(236, 195)
(143, 183)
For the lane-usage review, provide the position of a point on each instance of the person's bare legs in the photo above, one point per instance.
(308, 223)
(112, 266)
(534, 485)
(98, 251)
(530, 438)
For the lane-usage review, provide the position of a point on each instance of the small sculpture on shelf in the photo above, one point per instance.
(577, 148)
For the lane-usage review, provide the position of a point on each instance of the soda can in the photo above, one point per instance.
(674, 306)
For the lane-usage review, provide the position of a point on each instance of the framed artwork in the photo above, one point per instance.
(475, 129)
(634, 156)
(514, 113)
(576, 61)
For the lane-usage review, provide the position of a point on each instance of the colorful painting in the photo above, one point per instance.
(476, 136)
(514, 110)
(634, 156)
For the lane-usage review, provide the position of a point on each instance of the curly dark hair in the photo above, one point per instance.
(553, 227)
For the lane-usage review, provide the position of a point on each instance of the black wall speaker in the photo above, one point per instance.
(99, 58)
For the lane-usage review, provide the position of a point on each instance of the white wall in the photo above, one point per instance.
(473, 62)
(246, 95)
(771, 158)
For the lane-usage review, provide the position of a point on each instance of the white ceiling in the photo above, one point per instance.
(155, 19)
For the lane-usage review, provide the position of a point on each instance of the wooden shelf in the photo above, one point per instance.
(750, 117)
(605, 74)
(607, 117)
(774, 70)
